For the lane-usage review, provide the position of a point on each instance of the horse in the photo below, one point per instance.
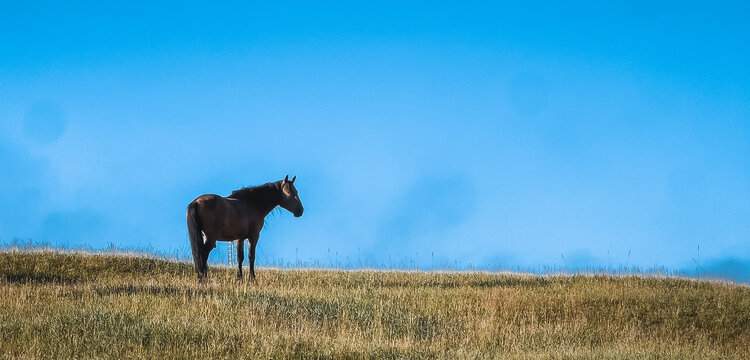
(240, 216)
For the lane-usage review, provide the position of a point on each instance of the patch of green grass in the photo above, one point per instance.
(58, 305)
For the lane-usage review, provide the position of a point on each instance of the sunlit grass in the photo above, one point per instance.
(63, 305)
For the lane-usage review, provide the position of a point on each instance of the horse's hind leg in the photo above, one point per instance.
(198, 261)
(240, 256)
(207, 247)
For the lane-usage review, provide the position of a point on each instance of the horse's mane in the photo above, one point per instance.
(264, 194)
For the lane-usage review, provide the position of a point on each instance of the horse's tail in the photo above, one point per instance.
(196, 236)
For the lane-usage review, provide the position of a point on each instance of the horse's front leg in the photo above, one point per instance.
(240, 256)
(253, 242)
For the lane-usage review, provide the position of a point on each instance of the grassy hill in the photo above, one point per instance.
(106, 306)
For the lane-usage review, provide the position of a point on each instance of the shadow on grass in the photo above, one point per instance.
(157, 290)
(40, 278)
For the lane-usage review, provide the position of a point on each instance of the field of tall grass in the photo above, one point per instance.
(72, 305)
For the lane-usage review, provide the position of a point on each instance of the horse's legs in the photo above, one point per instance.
(251, 259)
(240, 256)
(207, 247)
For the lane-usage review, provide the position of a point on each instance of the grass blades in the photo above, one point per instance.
(67, 305)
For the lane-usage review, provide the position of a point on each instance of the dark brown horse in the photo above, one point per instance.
(237, 217)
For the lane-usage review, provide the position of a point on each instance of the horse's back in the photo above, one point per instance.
(212, 206)
(208, 201)
(222, 218)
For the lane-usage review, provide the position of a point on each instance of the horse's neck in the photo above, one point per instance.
(267, 200)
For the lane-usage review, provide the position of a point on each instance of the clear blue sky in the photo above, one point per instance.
(587, 134)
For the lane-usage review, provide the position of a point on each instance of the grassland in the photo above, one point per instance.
(57, 305)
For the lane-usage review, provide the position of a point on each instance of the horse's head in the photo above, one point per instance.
(289, 197)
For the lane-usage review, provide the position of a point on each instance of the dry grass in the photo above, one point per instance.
(82, 306)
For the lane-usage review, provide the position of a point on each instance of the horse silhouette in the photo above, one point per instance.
(239, 216)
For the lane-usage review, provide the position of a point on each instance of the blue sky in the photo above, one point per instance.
(464, 134)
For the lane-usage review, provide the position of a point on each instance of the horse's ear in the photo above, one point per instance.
(286, 178)
(294, 178)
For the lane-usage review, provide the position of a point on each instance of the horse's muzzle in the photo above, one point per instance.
(299, 212)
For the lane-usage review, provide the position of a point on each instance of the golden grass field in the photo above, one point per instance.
(64, 305)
